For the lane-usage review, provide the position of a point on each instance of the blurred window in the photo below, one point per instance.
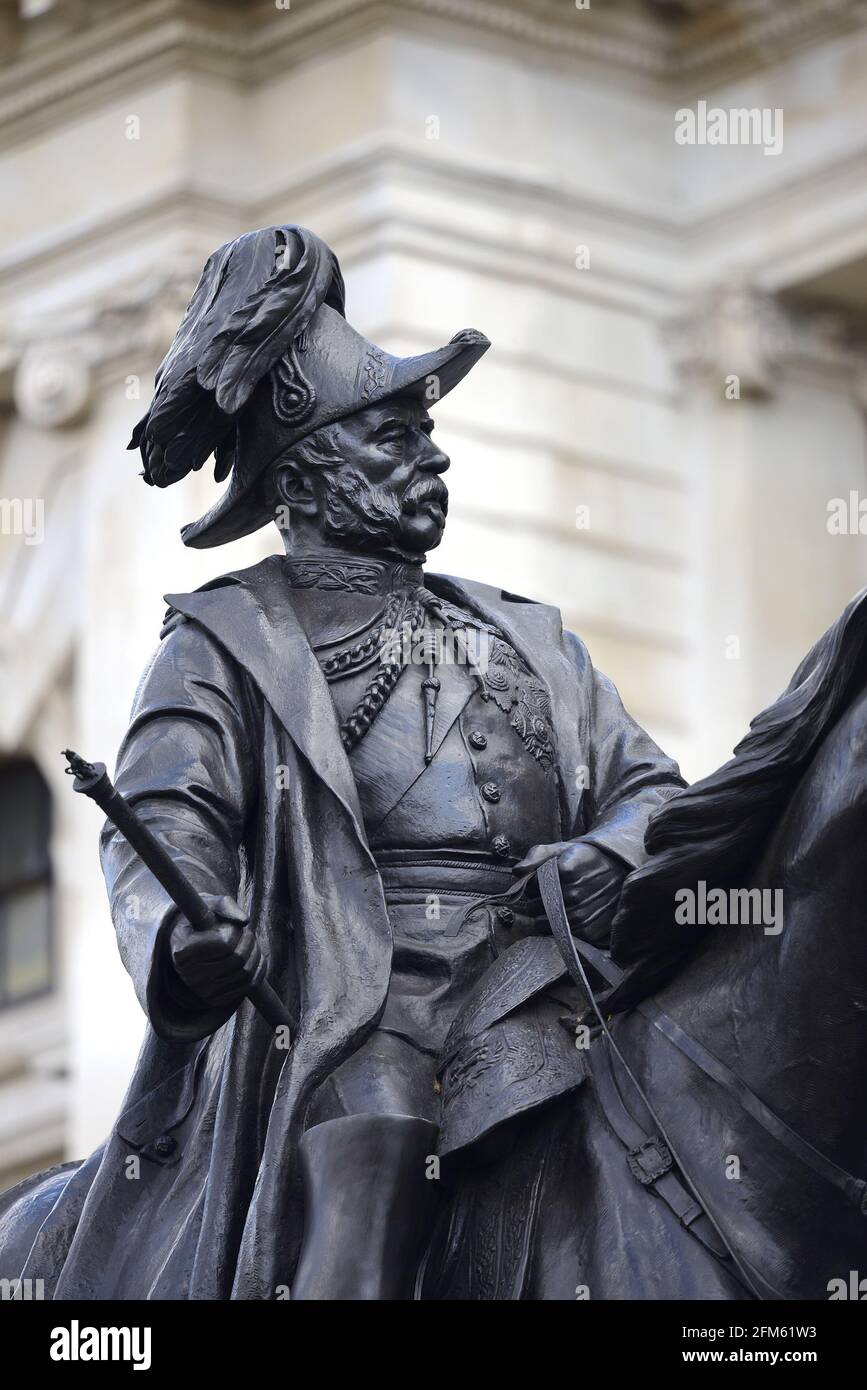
(26, 946)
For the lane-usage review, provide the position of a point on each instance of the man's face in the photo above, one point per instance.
(387, 492)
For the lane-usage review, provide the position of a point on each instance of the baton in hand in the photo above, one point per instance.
(94, 781)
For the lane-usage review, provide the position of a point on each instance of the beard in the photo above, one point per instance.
(370, 517)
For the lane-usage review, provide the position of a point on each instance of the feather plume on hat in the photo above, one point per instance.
(253, 302)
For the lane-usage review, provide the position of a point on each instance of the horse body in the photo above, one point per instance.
(787, 1013)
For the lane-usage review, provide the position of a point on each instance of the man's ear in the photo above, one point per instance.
(294, 489)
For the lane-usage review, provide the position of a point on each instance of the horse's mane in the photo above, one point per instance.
(715, 829)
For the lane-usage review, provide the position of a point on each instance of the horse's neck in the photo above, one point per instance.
(785, 1004)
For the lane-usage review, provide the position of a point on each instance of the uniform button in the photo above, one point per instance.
(165, 1145)
(501, 847)
(490, 791)
(506, 916)
(478, 740)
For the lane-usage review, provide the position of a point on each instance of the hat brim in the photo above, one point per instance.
(427, 378)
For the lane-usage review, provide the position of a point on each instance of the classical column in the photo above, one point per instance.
(773, 431)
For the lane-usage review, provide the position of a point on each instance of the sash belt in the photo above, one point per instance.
(464, 879)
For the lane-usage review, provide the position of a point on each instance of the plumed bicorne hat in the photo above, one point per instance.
(267, 318)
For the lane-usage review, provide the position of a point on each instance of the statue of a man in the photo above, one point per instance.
(357, 762)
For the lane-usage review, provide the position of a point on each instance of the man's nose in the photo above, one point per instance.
(429, 456)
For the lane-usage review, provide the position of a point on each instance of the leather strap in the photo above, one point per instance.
(650, 1159)
(854, 1189)
(548, 877)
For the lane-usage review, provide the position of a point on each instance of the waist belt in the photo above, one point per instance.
(464, 873)
(479, 887)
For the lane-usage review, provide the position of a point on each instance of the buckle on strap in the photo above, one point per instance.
(650, 1160)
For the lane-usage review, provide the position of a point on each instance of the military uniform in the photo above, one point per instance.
(448, 812)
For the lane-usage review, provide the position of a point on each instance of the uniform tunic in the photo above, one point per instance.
(447, 844)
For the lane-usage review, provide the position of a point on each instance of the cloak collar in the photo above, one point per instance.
(250, 614)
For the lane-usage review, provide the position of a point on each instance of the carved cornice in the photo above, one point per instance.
(49, 369)
(737, 330)
(760, 32)
(58, 59)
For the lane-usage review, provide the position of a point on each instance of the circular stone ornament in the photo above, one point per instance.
(52, 387)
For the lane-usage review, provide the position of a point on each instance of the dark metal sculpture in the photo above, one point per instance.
(513, 1071)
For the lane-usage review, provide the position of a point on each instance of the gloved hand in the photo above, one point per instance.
(591, 882)
(219, 964)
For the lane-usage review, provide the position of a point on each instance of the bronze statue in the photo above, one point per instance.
(413, 808)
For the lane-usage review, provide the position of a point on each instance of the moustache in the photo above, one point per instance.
(426, 490)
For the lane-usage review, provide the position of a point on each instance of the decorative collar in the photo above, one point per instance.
(351, 574)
